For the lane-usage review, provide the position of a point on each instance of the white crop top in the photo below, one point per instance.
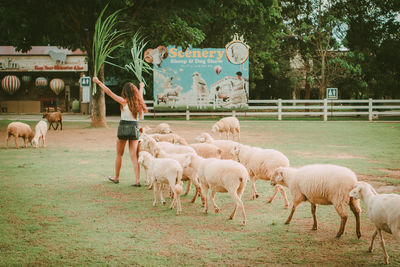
(126, 114)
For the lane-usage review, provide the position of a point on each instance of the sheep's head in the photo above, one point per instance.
(235, 151)
(35, 142)
(201, 138)
(278, 177)
(355, 192)
(215, 128)
(144, 157)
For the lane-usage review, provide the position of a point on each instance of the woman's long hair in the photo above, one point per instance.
(135, 100)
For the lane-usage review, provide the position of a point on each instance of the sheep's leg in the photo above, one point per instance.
(341, 210)
(7, 140)
(204, 189)
(179, 206)
(355, 208)
(313, 211)
(386, 259)
(216, 209)
(163, 202)
(296, 202)
(25, 142)
(189, 183)
(61, 125)
(198, 191)
(173, 201)
(371, 246)
(155, 195)
(253, 188)
(276, 189)
(56, 126)
(16, 142)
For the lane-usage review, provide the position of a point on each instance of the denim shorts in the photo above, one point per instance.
(128, 130)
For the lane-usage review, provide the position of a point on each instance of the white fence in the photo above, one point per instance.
(304, 108)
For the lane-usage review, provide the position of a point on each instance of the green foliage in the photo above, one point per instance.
(137, 66)
(106, 39)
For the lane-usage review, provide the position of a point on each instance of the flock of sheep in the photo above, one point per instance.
(225, 166)
(23, 130)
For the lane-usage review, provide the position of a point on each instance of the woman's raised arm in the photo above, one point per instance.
(107, 90)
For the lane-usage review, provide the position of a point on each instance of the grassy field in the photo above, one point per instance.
(56, 207)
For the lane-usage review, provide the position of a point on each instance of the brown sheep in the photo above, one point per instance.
(53, 117)
(19, 129)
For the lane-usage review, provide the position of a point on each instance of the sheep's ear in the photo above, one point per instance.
(156, 152)
(235, 150)
(140, 130)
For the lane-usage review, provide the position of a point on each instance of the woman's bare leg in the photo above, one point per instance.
(133, 146)
(118, 160)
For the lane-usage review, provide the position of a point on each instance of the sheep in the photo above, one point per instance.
(207, 150)
(227, 125)
(383, 211)
(221, 176)
(156, 55)
(189, 174)
(164, 171)
(225, 145)
(53, 117)
(170, 137)
(323, 184)
(162, 128)
(40, 133)
(261, 164)
(19, 129)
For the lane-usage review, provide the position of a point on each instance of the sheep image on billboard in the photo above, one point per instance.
(210, 77)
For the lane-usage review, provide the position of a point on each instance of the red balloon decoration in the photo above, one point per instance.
(10, 84)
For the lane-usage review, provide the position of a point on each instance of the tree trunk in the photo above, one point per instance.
(322, 88)
(99, 104)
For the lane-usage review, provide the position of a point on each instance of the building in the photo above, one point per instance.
(44, 78)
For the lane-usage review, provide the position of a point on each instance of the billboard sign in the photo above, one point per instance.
(216, 77)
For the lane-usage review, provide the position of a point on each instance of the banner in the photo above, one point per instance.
(211, 77)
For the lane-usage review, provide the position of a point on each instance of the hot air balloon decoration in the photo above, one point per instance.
(41, 82)
(10, 84)
(218, 69)
(26, 78)
(57, 85)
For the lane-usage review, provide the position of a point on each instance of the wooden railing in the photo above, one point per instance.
(294, 108)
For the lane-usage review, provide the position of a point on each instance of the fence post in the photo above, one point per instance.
(187, 115)
(370, 109)
(325, 109)
(233, 113)
(279, 109)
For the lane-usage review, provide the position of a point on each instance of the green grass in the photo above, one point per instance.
(58, 209)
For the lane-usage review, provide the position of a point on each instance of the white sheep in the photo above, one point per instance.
(227, 125)
(162, 128)
(383, 211)
(207, 150)
(40, 133)
(261, 164)
(170, 137)
(164, 171)
(221, 176)
(189, 174)
(19, 129)
(322, 184)
(225, 145)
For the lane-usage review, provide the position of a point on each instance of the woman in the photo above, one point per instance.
(132, 108)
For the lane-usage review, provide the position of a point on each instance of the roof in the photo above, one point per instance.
(39, 50)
